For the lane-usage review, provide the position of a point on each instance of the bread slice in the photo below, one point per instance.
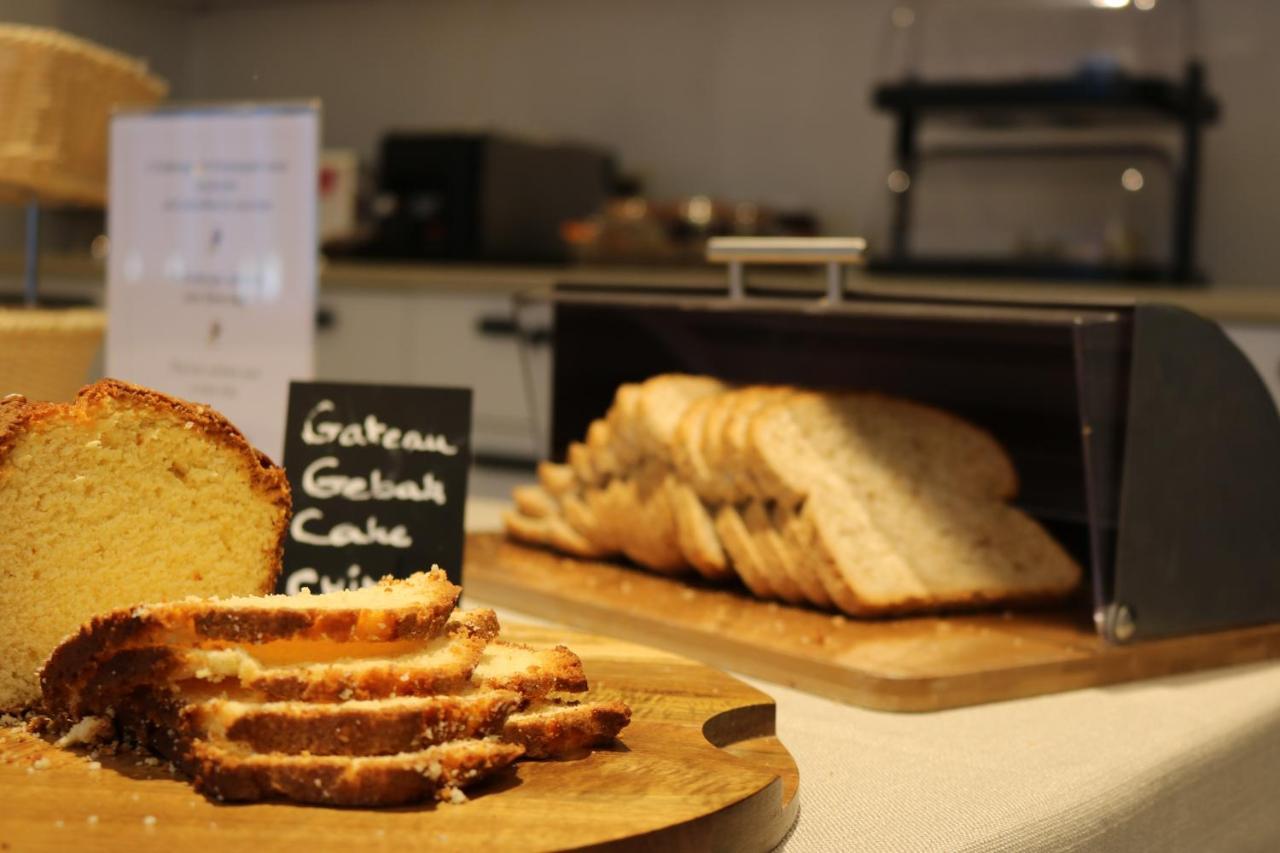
(795, 441)
(718, 486)
(744, 555)
(578, 457)
(579, 514)
(558, 480)
(686, 447)
(663, 401)
(638, 514)
(599, 443)
(534, 501)
(413, 608)
(555, 729)
(776, 560)
(787, 525)
(124, 495)
(552, 532)
(623, 419)
(696, 532)
(734, 461)
(436, 772)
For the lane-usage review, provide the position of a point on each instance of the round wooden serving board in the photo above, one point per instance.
(699, 768)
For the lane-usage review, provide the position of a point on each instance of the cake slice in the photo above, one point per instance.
(286, 669)
(124, 495)
(414, 608)
(356, 727)
(557, 729)
(437, 772)
(546, 728)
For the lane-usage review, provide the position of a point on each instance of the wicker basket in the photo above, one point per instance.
(47, 353)
(57, 93)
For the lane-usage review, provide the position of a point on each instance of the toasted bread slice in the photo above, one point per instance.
(552, 729)
(342, 780)
(417, 607)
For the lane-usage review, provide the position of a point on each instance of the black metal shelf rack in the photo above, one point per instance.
(1083, 100)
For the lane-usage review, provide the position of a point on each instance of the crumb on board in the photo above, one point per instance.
(149, 820)
(92, 820)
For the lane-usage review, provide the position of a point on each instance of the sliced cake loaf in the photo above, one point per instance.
(123, 495)
(367, 717)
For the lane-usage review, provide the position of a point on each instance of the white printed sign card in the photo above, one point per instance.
(211, 282)
(379, 479)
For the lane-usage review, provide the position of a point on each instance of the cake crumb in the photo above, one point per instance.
(149, 820)
(151, 761)
(59, 823)
(133, 797)
(95, 765)
(40, 764)
(92, 820)
(456, 796)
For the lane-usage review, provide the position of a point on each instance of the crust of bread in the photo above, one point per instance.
(560, 730)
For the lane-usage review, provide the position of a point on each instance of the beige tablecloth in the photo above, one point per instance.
(1183, 763)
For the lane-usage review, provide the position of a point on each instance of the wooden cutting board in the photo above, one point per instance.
(699, 768)
(920, 664)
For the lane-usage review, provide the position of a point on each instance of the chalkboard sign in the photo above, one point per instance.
(379, 478)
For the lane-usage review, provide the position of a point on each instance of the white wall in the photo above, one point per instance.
(754, 99)
(744, 99)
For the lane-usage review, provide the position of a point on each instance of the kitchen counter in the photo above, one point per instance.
(1181, 763)
(1222, 302)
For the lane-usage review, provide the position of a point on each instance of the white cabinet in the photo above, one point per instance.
(451, 338)
(1261, 343)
